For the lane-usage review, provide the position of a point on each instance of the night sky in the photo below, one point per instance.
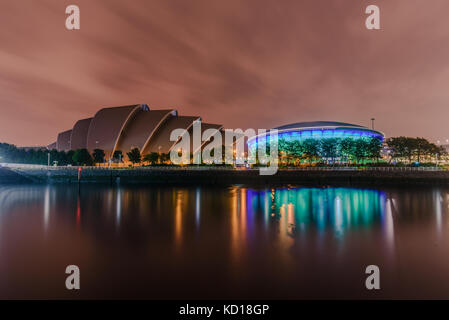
(246, 63)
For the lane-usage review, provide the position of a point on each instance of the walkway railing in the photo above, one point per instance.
(213, 168)
(397, 169)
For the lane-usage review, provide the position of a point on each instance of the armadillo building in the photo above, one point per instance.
(127, 127)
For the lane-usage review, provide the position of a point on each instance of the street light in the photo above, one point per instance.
(372, 123)
(48, 159)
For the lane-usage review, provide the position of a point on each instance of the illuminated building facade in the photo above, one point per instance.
(321, 131)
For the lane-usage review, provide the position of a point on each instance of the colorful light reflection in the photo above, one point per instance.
(339, 209)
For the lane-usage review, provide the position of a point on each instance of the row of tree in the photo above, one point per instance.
(329, 150)
(152, 158)
(11, 154)
(291, 152)
(413, 149)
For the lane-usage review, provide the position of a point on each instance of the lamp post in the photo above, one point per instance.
(48, 159)
(372, 123)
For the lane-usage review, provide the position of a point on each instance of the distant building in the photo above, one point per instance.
(445, 146)
(51, 146)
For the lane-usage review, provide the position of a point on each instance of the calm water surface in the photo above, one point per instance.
(223, 242)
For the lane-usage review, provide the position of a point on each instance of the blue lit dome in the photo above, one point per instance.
(321, 130)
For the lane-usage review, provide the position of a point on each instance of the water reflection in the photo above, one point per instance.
(118, 206)
(226, 233)
(339, 209)
(291, 210)
(388, 223)
(78, 211)
(438, 199)
(178, 216)
(238, 221)
(46, 207)
(197, 206)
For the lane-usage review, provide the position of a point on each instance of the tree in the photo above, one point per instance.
(118, 156)
(311, 148)
(347, 148)
(288, 150)
(12, 154)
(164, 157)
(296, 151)
(361, 149)
(134, 155)
(428, 149)
(282, 150)
(68, 159)
(152, 158)
(82, 157)
(412, 148)
(401, 147)
(420, 147)
(98, 155)
(328, 148)
(373, 148)
(438, 151)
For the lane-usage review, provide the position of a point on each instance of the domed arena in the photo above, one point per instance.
(327, 141)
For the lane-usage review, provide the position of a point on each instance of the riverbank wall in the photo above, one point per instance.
(8, 176)
(220, 175)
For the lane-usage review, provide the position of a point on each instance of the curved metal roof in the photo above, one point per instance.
(160, 141)
(141, 127)
(312, 124)
(106, 127)
(208, 130)
(80, 130)
(126, 127)
(63, 141)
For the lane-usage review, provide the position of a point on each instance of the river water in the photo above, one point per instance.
(237, 242)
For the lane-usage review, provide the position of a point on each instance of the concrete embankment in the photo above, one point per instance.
(9, 176)
(207, 175)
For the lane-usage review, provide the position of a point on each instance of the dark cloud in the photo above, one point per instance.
(240, 63)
